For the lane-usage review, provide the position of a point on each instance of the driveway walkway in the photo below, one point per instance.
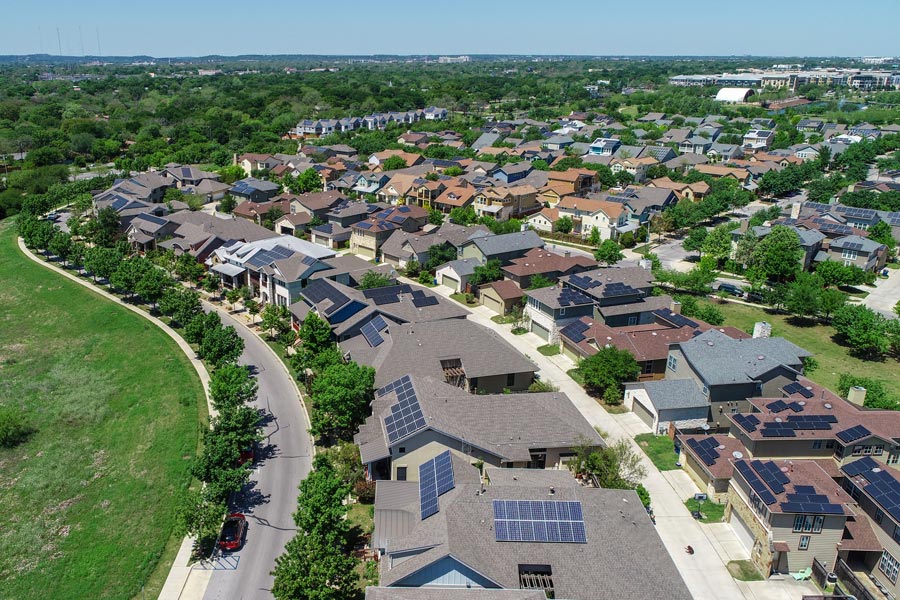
(885, 295)
(704, 572)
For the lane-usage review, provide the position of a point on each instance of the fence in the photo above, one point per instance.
(819, 573)
(850, 581)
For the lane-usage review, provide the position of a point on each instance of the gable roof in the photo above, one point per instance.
(540, 260)
(495, 245)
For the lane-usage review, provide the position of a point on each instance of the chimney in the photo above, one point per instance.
(795, 210)
(762, 329)
(567, 253)
(676, 307)
(856, 395)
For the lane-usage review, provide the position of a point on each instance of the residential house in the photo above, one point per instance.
(544, 220)
(188, 177)
(708, 459)
(695, 145)
(642, 203)
(502, 297)
(759, 139)
(443, 552)
(254, 190)
(580, 180)
(810, 241)
(317, 204)
(257, 211)
(609, 218)
(636, 167)
(504, 248)
(538, 430)
(149, 188)
(547, 264)
(557, 142)
(512, 172)
(621, 295)
(787, 513)
(455, 274)
(397, 188)
(810, 125)
(856, 250)
(256, 162)
(454, 196)
(504, 203)
(691, 191)
(552, 308)
(368, 236)
(377, 159)
(145, 230)
(553, 192)
(739, 174)
(724, 152)
(293, 224)
(199, 233)
(370, 182)
(685, 162)
(604, 146)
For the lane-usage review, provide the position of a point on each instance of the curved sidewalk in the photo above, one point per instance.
(183, 581)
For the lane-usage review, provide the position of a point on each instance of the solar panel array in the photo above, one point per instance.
(387, 295)
(583, 281)
(617, 289)
(777, 406)
(893, 219)
(852, 211)
(318, 291)
(860, 466)
(675, 318)
(706, 449)
(793, 423)
(571, 297)
(797, 388)
(575, 331)
(755, 482)
(372, 335)
(548, 521)
(771, 474)
(435, 480)
(747, 422)
(267, 257)
(853, 434)
(406, 415)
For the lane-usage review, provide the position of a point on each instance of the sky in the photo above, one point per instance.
(167, 28)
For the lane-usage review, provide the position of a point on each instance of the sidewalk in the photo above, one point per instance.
(704, 572)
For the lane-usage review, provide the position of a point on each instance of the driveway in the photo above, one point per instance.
(270, 499)
(885, 294)
(704, 572)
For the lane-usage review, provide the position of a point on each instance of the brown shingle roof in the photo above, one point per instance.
(507, 289)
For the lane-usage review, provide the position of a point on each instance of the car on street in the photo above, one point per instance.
(233, 530)
(52, 216)
(732, 289)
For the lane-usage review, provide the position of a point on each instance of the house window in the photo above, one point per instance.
(889, 566)
(648, 367)
(878, 450)
(817, 524)
(672, 363)
(857, 450)
(893, 458)
(402, 449)
(829, 444)
(401, 473)
(867, 450)
(879, 515)
(562, 311)
(848, 254)
(798, 523)
(896, 535)
(817, 444)
(734, 410)
(804, 542)
(706, 390)
(632, 320)
(510, 379)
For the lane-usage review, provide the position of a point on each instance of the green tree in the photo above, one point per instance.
(608, 368)
(778, 255)
(315, 337)
(307, 181)
(439, 255)
(275, 319)
(831, 300)
(253, 307)
(463, 215)
(187, 268)
(881, 232)
(180, 304)
(221, 345)
(594, 237)
(231, 386)
(152, 285)
(435, 217)
(717, 244)
(104, 228)
(804, 297)
(564, 224)
(392, 163)
(486, 273)
(538, 281)
(373, 279)
(608, 252)
(14, 427)
(695, 238)
(129, 273)
(199, 516)
(341, 395)
(102, 262)
(862, 329)
(61, 245)
(227, 204)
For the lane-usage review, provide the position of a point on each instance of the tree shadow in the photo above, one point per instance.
(249, 497)
(801, 322)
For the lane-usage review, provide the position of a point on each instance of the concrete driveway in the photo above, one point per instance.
(885, 294)
(270, 499)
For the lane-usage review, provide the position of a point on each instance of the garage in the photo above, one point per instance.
(742, 531)
(569, 352)
(450, 282)
(492, 302)
(645, 414)
(542, 331)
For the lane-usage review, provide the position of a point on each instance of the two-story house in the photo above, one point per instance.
(552, 308)
(503, 248)
(367, 236)
(547, 264)
(858, 251)
(604, 146)
(254, 190)
(758, 139)
(609, 218)
(695, 145)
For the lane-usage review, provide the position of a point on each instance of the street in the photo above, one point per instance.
(284, 458)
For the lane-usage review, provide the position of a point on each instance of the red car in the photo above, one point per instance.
(248, 455)
(233, 531)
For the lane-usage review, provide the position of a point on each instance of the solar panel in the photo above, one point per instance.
(423, 302)
(771, 474)
(804, 489)
(443, 470)
(583, 281)
(406, 415)
(371, 334)
(675, 318)
(777, 406)
(428, 497)
(379, 323)
(747, 422)
(795, 406)
(859, 466)
(575, 331)
(545, 521)
(755, 483)
(317, 291)
(853, 434)
(778, 432)
(706, 449)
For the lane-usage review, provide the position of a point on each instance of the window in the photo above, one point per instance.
(632, 320)
(648, 367)
(798, 523)
(896, 535)
(817, 444)
(804, 542)
(829, 444)
(562, 311)
(807, 523)
(878, 450)
(879, 515)
(402, 449)
(672, 363)
(734, 410)
(706, 390)
(867, 450)
(401, 473)
(848, 254)
(510, 379)
(817, 524)
(889, 566)
(857, 450)
(893, 458)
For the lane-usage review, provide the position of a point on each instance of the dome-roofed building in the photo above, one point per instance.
(731, 95)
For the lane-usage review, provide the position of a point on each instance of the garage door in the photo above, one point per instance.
(742, 531)
(643, 412)
(450, 282)
(492, 303)
(543, 332)
(568, 352)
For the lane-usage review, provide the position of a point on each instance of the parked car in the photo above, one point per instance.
(52, 216)
(248, 455)
(233, 530)
(732, 289)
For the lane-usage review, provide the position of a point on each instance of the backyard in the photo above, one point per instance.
(833, 358)
(88, 499)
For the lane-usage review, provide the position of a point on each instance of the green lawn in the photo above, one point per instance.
(711, 511)
(833, 358)
(744, 570)
(461, 298)
(549, 349)
(88, 500)
(659, 449)
(503, 319)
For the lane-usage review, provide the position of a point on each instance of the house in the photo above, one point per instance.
(810, 125)
(456, 351)
(331, 235)
(512, 172)
(810, 241)
(805, 152)
(149, 188)
(675, 136)
(188, 177)
(759, 139)
(457, 196)
(787, 513)
(506, 202)
(609, 218)
(685, 162)
(856, 250)
(544, 220)
(397, 188)
(553, 192)
(377, 159)
(502, 297)
(455, 274)
(604, 146)
(642, 203)
(724, 152)
(256, 162)
(199, 234)
(709, 461)
(740, 174)
(549, 265)
(433, 113)
(557, 142)
(370, 183)
(870, 547)
(416, 418)
(317, 204)
(695, 145)
(145, 230)
(294, 224)
(662, 404)
(579, 180)
(552, 308)
(690, 191)
(461, 543)
(413, 138)
(254, 190)
(622, 295)
(729, 371)
(368, 236)
(503, 248)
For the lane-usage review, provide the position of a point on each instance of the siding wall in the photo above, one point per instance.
(446, 572)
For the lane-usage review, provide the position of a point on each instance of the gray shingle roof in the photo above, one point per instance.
(671, 394)
(384, 593)
(721, 360)
(494, 245)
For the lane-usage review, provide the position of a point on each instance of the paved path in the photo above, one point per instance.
(885, 294)
(271, 497)
(704, 572)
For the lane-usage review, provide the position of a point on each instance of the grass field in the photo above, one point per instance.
(711, 511)
(549, 349)
(88, 500)
(659, 449)
(744, 570)
(833, 358)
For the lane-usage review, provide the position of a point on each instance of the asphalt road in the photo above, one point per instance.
(284, 459)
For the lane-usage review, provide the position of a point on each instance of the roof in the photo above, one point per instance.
(494, 245)
(855, 242)
(385, 593)
(622, 557)
(419, 348)
(531, 420)
(541, 260)
(611, 282)
(462, 266)
(786, 483)
(559, 297)
(674, 394)
(588, 205)
(721, 360)
(507, 289)
(644, 305)
(316, 201)
(250, 184)
(726, 447)
(730, 94)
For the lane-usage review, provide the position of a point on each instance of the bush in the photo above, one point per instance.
(426, 278)
(643, 494)
(364, 491)
(14, 428)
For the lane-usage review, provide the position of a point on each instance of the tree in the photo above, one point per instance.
(463, 215)
(862, 329)
(221, 345)
(608, 252)
(227, 204)
(218, 466)
(486, 273)
(540, 165)
(717, 244)
(564, 224)
(152, 285)
(253, 308)
(210, 283)
(695, 238)
(609, 367)
(307, 181)
(315, 337)
(104, 227)
(392, 163)
(538, 281)
(372, 279)
(881, 232)
(180, 304)
(439, 255)
(830, 301)
(275, 319)
(594, 237)
(230, 386)
(435, 217)
(199, 516)
(187, 268)
(778, 255)
(341, 395)
(129, 273)
(102, 262)
(233, 296)
(804, 296)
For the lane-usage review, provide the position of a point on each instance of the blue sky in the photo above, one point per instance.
(598, 27)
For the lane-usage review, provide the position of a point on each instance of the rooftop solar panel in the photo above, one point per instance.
(755, 482)
(853, 434)
(428, 497)
(859, 466)
(544, 521)
(747, 422)
(371, 334)
(426, 301)
(777, 406)
(379, 323)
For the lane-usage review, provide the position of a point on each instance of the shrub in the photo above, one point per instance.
(364, 491)
(14, 428)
